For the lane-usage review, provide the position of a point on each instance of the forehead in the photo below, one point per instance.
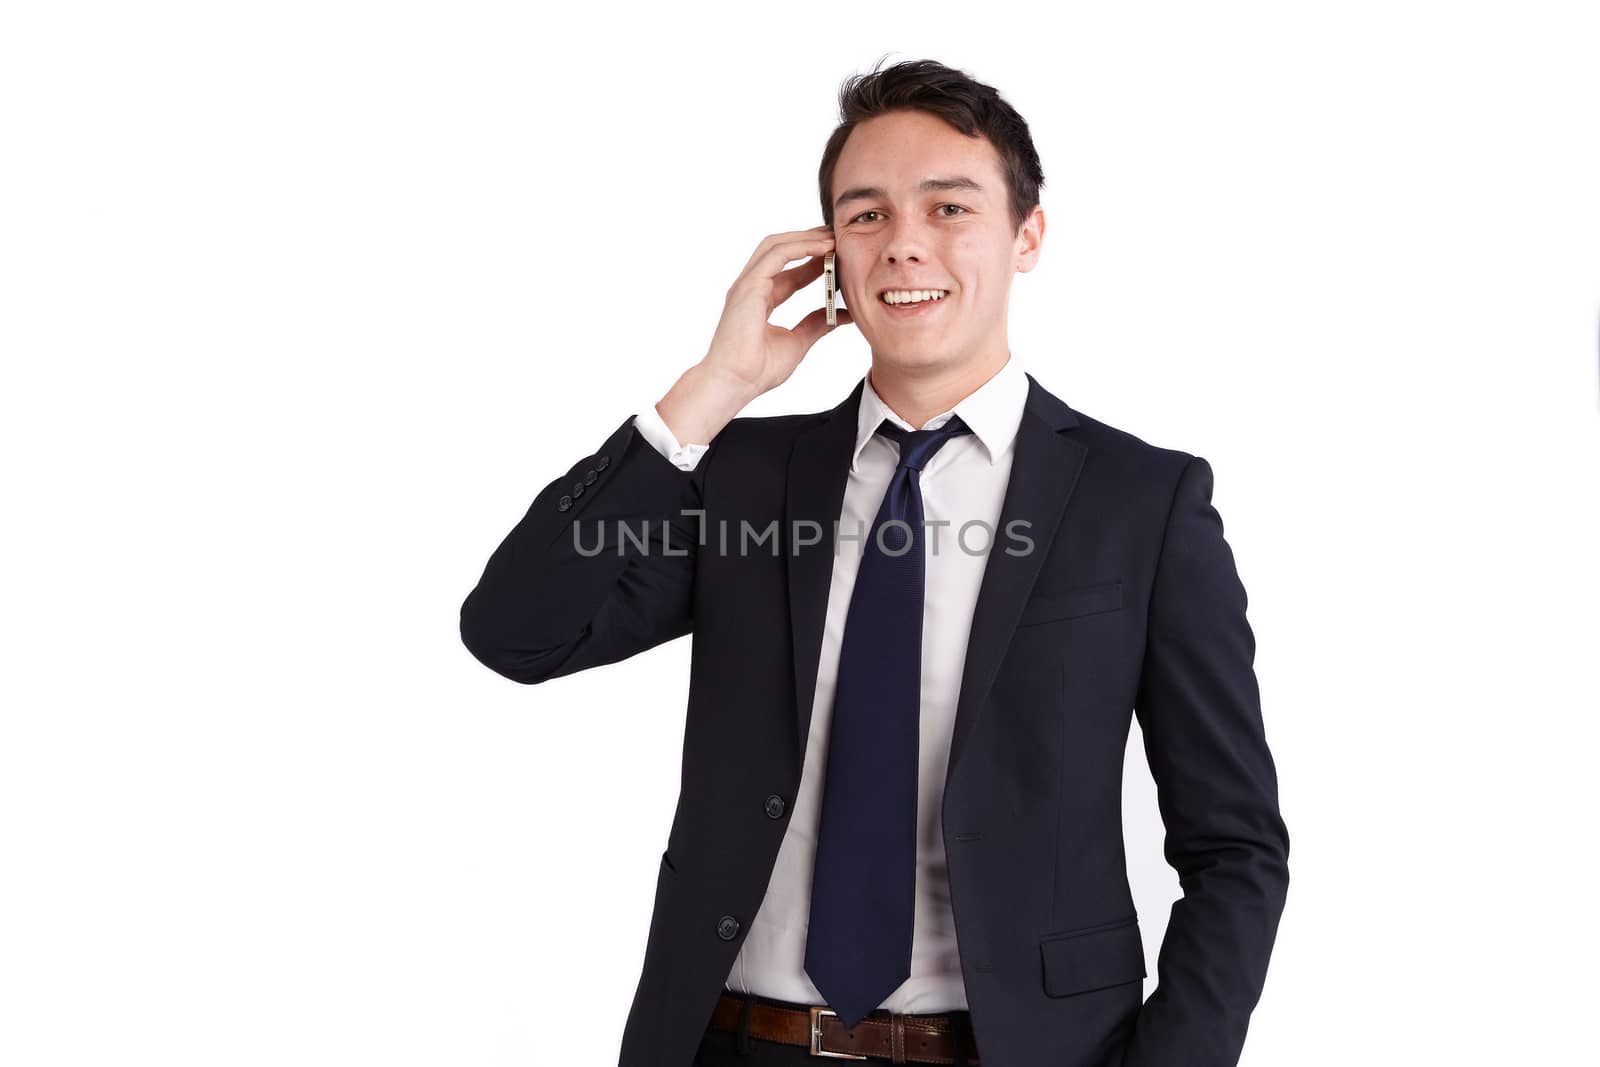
(897, 151)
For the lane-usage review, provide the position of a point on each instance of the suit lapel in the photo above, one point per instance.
(1044, 470)
(819, 469)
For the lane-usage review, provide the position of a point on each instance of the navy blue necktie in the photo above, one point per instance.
(863, 890)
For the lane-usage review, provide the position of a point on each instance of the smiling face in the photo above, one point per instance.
(919, 205)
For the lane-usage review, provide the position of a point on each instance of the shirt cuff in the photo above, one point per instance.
(653, 429)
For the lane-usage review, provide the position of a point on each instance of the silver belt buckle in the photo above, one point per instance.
(816, 1037)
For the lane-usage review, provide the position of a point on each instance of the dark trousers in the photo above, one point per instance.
(725, 1048)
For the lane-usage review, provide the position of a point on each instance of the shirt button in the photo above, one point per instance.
(564, 503)
(774, 807)
(728, 928)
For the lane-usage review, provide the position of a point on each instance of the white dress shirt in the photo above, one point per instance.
(965, 480)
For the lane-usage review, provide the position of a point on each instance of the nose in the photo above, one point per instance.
(902, 244)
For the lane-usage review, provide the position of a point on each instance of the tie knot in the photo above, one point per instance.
(918, 446)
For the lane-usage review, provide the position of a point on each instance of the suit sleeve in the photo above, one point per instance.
(1200, 712)
(600, 568)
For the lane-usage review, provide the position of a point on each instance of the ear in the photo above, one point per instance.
(1030, 238)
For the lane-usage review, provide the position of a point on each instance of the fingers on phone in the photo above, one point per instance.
(813, 248)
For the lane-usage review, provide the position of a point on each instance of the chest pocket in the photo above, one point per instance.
(1094, 599)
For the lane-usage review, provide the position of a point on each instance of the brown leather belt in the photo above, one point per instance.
(889, 1035)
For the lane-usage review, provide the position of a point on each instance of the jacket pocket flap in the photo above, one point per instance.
(1094, 958)
(1084, 600)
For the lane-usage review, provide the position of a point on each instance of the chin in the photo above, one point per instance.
(911, 357)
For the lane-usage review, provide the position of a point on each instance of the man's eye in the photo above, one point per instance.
(958, 207)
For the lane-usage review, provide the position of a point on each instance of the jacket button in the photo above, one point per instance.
(602, 463)
(564, 503)
(728, 928)
(774, 807)
(589, 476)
(577, 488)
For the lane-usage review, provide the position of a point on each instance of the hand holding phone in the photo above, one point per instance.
(749, 355)
(749, 351)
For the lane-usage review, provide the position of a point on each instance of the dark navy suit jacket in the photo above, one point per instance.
(1129, 603)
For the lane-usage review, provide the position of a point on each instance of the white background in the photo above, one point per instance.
(303, 303)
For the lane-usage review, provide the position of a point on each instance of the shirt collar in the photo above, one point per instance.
(993, 411)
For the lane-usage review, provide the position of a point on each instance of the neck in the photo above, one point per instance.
(917, 394)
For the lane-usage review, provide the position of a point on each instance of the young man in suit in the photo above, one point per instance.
(922, 623)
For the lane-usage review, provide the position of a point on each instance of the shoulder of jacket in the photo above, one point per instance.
(1128, 449)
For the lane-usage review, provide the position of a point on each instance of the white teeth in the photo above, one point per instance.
(912, 296)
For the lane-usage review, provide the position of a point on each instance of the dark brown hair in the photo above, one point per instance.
(968, 105)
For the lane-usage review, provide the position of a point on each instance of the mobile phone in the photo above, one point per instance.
(830, 286)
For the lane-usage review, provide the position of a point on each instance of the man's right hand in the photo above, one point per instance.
(748, 354)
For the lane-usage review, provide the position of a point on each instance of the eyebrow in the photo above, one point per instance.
(927, 185)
